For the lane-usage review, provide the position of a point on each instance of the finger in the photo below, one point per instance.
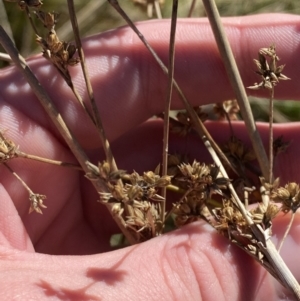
(130, 87)
(146, 141)
(192, 263)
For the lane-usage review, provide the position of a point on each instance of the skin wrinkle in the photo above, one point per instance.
(178, 261)
(208, 286)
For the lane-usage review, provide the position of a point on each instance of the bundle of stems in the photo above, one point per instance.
(138, 202)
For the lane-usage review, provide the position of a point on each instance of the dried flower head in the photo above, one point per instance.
(289, 196)
(280, 146)
(268, 69)
(8, 149)
(237, 153)
(227, 107)
(270, 187)
(144, 219)
(60, 53)
(203, 178)
(183, 125)
(263, 214)
(36, 202)
(228, 218)
(48, 19)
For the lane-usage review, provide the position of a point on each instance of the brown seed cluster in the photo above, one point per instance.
(137, 201)
(8, 149)
(288, 196)
(60, 53)
(227, 109)
(268, 69)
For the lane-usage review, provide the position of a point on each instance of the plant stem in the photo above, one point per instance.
(237, 84)
(46, 160)
(157, 9)
(5, 57)
(275, 265)
(105, 143)
(58, 121)
(192, 7)
(30, 19)
(168, 103)
(271, 153)
(19, 178)
(199, 126)
(286, 231)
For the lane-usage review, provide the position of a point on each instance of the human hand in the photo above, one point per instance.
(192, 263)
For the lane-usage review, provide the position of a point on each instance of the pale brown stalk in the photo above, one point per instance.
(96, 115)
(237, 84)
(5, 57)
(287, 230)
(157, 9)
(276, 266)
(46, 160)
(168, 103)
(30, 19)
(199, 126)
(271, 152)
(58, 121)
(192, 7)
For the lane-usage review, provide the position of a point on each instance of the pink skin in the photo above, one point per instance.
(193, 263)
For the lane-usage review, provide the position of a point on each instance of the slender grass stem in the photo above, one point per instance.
(19, 178)
(30, 20)
(157, 9)
(198, 124)
(58, 121)
(271, 152)
(237, 84)
(46, 160)
(5, 57)
(275, 265)
(192, 7)
(286, 231)
(96, 115)
(168, 103)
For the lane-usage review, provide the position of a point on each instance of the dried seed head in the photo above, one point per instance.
(227, 107)
(36, 202)
(280, 146)
(263, 214)
(228, 218)
(203, 178)
(237, 153)
(8, 149)
(268, 69)
(48, 19)
(183, 125)
(268, 186)
(289, 196)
